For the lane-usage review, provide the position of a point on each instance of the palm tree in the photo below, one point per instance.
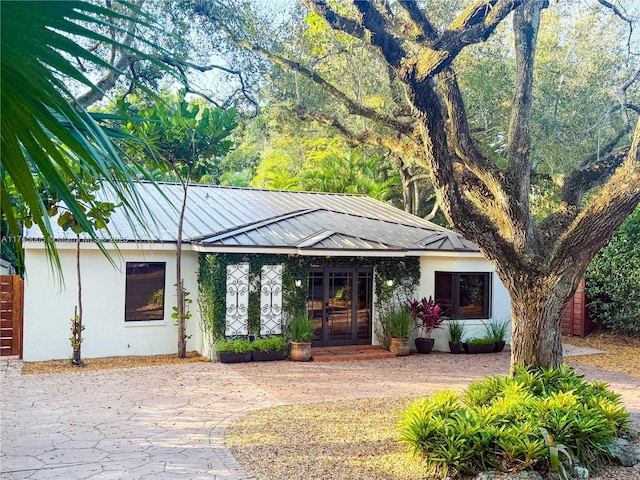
(48, 140)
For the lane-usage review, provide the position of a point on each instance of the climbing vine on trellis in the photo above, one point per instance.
(212, 277)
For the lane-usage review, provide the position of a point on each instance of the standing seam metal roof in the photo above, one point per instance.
(230, 216)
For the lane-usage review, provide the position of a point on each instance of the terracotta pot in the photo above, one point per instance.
(455, 347)
(424, 345)
(300, 351)
(400, 346)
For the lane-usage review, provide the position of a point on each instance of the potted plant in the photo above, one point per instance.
(301, 334)
(497, 330)
(268, 349)
(456, 332)
(399, 322)
(236, 351)
(427, 316)
(479, 345)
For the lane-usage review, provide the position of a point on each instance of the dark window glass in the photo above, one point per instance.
(144, 297)
(464, 295)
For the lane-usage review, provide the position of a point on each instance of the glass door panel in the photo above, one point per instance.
(363, 306)
(340, 303)
(339, 307)
(315, 303)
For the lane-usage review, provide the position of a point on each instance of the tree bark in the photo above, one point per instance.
(76, 331)
(180, 297)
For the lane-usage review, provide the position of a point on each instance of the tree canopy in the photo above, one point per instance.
(479, 107)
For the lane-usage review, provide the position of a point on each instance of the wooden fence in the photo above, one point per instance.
(11, 318)
(575, 318)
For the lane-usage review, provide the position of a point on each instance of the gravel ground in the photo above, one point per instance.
(357, 439)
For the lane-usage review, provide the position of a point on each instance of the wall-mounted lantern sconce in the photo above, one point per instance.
(298, 281)
(390, 280)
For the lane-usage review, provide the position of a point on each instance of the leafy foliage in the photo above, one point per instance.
(271, 344)
(455, 328)
(399, 322)
(426, 314)
(300, 328)
(515, 423)
(47, 139)
(239, 345)
(497, 329)
(613, 280)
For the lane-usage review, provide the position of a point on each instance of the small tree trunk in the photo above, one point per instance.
(76, 328)
(182, 334)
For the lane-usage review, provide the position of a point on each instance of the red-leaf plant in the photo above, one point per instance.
(426, 314)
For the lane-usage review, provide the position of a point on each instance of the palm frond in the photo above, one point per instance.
(47, 138)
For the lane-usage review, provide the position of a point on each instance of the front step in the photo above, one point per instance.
(349, 353)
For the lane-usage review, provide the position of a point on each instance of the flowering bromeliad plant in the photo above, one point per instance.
(426, 314)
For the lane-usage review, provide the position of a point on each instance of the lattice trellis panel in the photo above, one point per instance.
(237, 317)
(271, 300)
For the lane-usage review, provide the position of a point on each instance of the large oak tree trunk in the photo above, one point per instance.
(536, 315)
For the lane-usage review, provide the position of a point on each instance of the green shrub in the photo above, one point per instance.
(399, 320)
(515, 423)
(455, 329)
(498, 329)
(301, 328)
(480, 341)
(613, 280)
(271, 344)
(239, 345)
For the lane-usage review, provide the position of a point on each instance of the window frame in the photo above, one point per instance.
(161, 318)
(455, 293)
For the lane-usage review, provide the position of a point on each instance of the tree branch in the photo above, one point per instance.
(526, 24)
(380, 33)
(394, 144)
(593, 174)
(420, 20)
(109, 79)
(351, 105)
(474, 25)
(591, 229)
(336, 21)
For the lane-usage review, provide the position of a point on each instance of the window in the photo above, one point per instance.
(144, 295)
(464, 295)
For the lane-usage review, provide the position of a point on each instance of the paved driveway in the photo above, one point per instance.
(168, 422)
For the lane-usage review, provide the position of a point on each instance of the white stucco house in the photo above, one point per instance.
(345, 246)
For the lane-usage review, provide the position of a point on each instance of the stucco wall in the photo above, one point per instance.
(49, 305)
(500, 300)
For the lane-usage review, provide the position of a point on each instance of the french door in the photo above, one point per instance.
(340, 304)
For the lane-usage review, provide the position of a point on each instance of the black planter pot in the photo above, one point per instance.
(268, 356)
(424, 345)
(229, 357)
(455, 347)
(479, 347)
(499, 346)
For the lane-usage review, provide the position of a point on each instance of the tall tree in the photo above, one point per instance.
(485, 188)
(185, 139)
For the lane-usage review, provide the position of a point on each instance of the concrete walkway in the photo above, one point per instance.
(155, 423)
(168, 422)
